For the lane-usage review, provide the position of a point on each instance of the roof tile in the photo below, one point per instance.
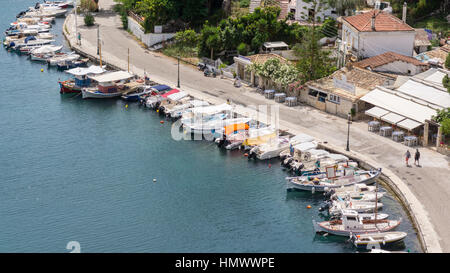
(383, 22)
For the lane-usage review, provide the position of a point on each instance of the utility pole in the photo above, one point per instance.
(178, 83)
(128, 60)
(349, 121)
(98, 39)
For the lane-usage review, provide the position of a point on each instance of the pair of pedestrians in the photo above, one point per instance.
(416, 158)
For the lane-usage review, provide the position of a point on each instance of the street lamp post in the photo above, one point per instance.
(349, 121)
(178, 83)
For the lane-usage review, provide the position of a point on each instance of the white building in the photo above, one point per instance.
(375, 32)
(302, 9)
(391, 62)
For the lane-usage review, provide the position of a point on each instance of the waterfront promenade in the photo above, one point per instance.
(426, 189)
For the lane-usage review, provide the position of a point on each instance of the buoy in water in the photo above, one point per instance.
(42, 69)
(245, 154)
(270, 165)
(154, 179)
(162, 121)
(308, 206)
(126, 105)
(157, 110)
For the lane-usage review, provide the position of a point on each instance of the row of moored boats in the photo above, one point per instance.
(31, 35)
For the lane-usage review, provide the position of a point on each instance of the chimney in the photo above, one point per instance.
(373, 21)
(404, 12)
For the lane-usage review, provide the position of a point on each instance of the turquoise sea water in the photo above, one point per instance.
(82, 170)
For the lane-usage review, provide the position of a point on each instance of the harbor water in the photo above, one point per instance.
(83, 170)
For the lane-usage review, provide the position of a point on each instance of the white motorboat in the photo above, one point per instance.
(378, 239)
(43, 57)
(358, 206)
(63, 58)
(179, 110)
(352, 224)
(274, 147)
(46, 49)
(358, 196)
(331, 179)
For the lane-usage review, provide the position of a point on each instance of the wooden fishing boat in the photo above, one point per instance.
(80, 78)
(378, 239)
(110, 85)
(358, 206)
(351, 224)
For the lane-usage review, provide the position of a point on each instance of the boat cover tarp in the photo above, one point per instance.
(305, 146)
(209, 110)
(318, 152)
(260, 136)
(338, 157)
(198, 103)
(113, 76)
(302, 138)
(161, 87)
(173, 91)
(230, 129)
(177, 96)
(82, 71)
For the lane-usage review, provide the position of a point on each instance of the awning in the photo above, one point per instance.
(210, 110)
(113, 76)
(229, 129)
(376, 112)
(408, 124)
(392, 118)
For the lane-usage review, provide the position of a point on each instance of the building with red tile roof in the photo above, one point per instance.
(375, 32)
(391, 62)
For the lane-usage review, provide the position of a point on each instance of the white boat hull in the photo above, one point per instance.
(88, 94)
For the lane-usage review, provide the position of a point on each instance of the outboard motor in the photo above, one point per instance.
(286, 162)
(324, 207)
(329, 193)
(37, 6)
(157, 104)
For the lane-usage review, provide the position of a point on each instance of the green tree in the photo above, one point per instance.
(187, 38)
(210, 41)
(156, 12)
(88, 6)
(446, 82)
(314, 62)
(443, 118)
(243, 49)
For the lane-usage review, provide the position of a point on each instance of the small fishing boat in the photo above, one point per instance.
(80, 79)
(110, 85)
(43, 57)
(72, 64)
(214, 127)
(136, 94)
(274, 147)
(378, 239)
(351, 224)
(359, 206)
(178, 110)
(357, 196)
(63, 58)
(330, 180)
(46, 49)
(204, 114)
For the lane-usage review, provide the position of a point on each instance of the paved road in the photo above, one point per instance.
(430, 183)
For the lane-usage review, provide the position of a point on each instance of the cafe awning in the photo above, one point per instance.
(376, 112)
(408, 124)
(392, 118)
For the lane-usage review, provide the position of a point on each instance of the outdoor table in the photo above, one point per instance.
(291, 101)
(386, 131)
(411, 141)
(398, 136)
(269, 94)
(280, 97)
(374, 126)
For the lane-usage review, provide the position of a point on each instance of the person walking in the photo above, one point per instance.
(417, 157)
(408, 156)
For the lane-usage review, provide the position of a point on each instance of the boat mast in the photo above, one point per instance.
(76, 21)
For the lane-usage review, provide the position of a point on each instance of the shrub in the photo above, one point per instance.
(447, 61)
(89, 20)
(243, 49)
(88, 5)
